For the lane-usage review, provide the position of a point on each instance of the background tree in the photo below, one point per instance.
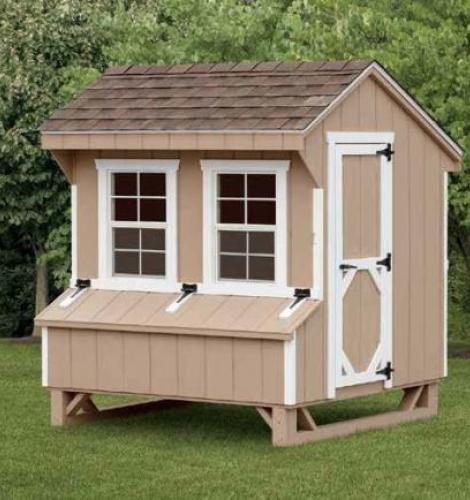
(51, 49)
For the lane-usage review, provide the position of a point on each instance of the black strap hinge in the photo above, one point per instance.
(345, 267)
(387, 152)
(82, 283)
(386, 262)
(387, 371)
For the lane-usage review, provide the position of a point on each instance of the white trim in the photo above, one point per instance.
(290, 371)
(210, 169)
(74, 231)
(445, 263)
(105, 277)
(177, 303)
(351, 143)
(45, 356)
(318, 214)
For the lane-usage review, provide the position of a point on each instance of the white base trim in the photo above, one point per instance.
(45, 356)
(290, 369)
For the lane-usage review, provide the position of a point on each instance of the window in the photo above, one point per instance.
(246, 226)
(245, 236)
(137, 223)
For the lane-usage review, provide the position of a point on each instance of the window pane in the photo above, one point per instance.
(125, 209)
(153, 210)
(261, 186)
(232, 241)
(152, 185)
(232, 267)
(153, 264)
(126, 238)
(125, 184)
(232, 212)
(261, 268)
(261, 212)
(261, 242)
(126, 262)
(231, 185)
(153, 239)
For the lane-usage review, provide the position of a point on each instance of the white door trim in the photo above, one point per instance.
(364, 143)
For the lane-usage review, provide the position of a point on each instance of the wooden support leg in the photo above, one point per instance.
(74, 407)
(293, 426)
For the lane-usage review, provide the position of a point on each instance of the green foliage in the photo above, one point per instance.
(51, 49)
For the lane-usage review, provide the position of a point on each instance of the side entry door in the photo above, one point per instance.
(363, 263)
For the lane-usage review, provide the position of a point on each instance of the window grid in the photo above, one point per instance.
(138, 224)
(245, 227)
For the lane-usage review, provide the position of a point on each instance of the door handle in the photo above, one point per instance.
(345, 267)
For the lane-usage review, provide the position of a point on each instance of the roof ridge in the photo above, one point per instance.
(239, 68)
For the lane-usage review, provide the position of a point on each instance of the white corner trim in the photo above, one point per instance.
(290, 371)
(360, 137)
(105, 277)
(318, 214)
(74, 232)
(445, 263)
(45, 356)
(210, 169)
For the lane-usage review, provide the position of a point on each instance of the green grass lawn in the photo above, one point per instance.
(223, 451)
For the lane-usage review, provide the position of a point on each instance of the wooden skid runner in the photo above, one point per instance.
(70, 408)
(294, 426)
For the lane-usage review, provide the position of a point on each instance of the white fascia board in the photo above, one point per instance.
(163, 165)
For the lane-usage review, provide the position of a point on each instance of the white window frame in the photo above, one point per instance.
(211, 284)
(106, 279)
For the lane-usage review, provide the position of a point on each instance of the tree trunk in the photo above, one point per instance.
(42, 289)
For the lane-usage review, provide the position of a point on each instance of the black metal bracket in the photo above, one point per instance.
(300, 294)
(387, 262)
(387, 152)
(187, 289)
(80, 284)
(345, 267)
(387, 371)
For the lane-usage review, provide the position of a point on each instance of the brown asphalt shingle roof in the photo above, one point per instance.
(225, 96)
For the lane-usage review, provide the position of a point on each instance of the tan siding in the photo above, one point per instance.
(164, 364)
(190, 218)
(83, 355)
(191, 366)
(137, 362)
(219, 368)
(273, 371)
(110, 361)
(85, 176)
(59, 368)
(248, 368)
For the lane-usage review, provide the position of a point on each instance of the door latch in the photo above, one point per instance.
(345, 267)
(387, 152)
(387, 371)
(386, 262)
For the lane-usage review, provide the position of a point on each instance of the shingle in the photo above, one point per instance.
(206, 96)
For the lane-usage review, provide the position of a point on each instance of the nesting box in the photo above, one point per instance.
(263, 234)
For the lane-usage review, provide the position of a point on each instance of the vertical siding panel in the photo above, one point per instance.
(401, 248)
(350, 112)
(137, 362)
(59, 369)
(84, 359)
(164, 364)
(273, 371)
(300, 362)
(417, 270)
(190, 218)
(191, 366)
(87, 221)
(248, 370)
(300, 209)
(314, 151)
(384, 111)
(433, 263)
(110, 360)
(367, 105)
(219, 373)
